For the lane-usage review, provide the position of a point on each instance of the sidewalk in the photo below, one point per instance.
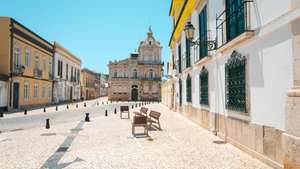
(52, 108)
(106, 142)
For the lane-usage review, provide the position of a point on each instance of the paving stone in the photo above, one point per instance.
(106, 142)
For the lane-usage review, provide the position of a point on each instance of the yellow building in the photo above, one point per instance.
(26, 59)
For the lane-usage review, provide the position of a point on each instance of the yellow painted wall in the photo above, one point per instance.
(32, 100)
(23, 44)
(181, 23)
(4, 45)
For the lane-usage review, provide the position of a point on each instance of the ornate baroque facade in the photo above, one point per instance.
(139, 76)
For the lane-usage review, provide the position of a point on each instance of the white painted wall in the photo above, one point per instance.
(3, 93)
(269, 63)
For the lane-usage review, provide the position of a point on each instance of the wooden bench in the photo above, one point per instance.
(143, 112)
(154, 118)
(140, 121)
(124, 109)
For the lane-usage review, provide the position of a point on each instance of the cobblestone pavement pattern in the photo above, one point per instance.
(107, 143)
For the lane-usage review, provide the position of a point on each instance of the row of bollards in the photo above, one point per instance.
(1, 114)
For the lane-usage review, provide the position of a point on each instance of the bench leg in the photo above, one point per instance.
(159, 125)
(133, 131)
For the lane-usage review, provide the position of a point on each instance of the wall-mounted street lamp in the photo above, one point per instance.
(189, 30)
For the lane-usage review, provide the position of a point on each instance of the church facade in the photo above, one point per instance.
(137, 77)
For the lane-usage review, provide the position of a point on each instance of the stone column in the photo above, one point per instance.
(291, 137)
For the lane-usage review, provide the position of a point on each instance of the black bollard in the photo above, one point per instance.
(67, 106)
(102, 102)
(97, 103)
(115, 110)
(87, 118)
(135, 105)
(84, 104)
(77, 105)
(132, 106)
(56, 108)
(44, 109)
(47, 124)
(1, 114)
(25, 111)
(106, 113)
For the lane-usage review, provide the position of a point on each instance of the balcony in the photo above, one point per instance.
(18, 69)
(150, 62)
(146, 78)
(233, 22)
(37, 73)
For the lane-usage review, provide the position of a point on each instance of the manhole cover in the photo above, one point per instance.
(48, 134)
(62, 149)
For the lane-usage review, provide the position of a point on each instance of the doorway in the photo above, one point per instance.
(134, 93)
(16, 95)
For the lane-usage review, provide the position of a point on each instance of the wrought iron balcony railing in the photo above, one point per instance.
(37, 73)
(233, 21)
(18, 69)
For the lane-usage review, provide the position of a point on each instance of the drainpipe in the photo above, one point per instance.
(11, 64)
(223, 103)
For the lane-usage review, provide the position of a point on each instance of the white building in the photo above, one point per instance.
(67, 69)
(235, 81)
(3, 93)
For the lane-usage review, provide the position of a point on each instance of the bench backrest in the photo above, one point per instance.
(154, 114)
(140, 120)
(124, 108)
(144, 110)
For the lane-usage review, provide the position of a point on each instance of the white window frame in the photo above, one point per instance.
(26, 91)
(43, 90)
(17, 55)
(49, 91)
(27, 57)
(35, 90)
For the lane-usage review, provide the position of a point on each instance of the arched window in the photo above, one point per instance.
(235, 82)
(203, 86)
(188, 89)
(134, 73)
(151, 74)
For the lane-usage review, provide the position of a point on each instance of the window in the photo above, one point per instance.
(36, 61)
(188, 89)
(203, 82)
(67, 72)
(44, 64)
(27, 57)
(203, 33)
(26, 91)
(235, 82)
(17, 55)
(49, 91)
(115, 74)
(134, 74)
(151, 76)
(43, 90)
(187, 53)
(235, 23)
(179, 58)
(50, 67)
(35, 90)
(180, 92)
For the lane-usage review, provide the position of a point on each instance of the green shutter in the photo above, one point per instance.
(203, 82)
(203, 33)
(235, 18)
(188, 89)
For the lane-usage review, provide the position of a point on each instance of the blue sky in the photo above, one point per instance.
(94, 30)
